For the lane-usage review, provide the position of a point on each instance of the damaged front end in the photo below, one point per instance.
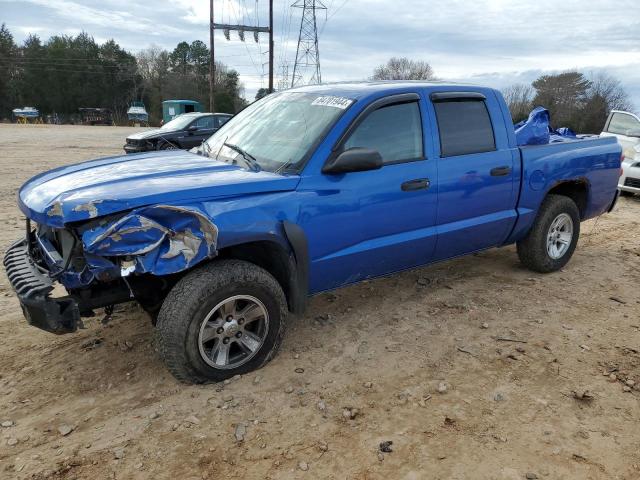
(105, 261)
(160, 240)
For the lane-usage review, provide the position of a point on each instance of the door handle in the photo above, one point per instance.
(417, 184)
(500, 171)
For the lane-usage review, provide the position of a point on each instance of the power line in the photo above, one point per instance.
(286, 30)
(307, 52)
(337, 10)
(125, 74)
(71, 64)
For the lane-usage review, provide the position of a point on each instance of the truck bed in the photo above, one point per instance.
(589, 160)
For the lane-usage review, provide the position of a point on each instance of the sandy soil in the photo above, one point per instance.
(380, 350)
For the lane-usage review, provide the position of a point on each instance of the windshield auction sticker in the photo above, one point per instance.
(331, 101)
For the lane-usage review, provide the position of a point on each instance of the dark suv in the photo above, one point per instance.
(184, 131)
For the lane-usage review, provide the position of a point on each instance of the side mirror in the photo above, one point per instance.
(634, 132)
(356, 159)
(192, 128)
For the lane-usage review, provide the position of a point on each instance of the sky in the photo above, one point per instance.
(488, 42)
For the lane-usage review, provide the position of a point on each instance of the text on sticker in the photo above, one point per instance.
(330, 101)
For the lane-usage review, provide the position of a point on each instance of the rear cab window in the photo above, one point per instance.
(464, 124)
(621, 123)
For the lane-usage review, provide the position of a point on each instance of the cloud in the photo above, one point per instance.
(485, 41)
(118, 16)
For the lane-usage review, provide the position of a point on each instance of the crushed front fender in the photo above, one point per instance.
(160, 239)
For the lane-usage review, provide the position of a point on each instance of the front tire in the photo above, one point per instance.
(624, 193)
(223, 319)
(552, 239)
(167, 146)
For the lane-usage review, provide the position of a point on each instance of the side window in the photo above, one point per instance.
(204, 123)
(464, 126)
(395, 131)
(621, 123)
(222, 121)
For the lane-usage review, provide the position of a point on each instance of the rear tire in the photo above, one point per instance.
(228, 310)
(552, 239)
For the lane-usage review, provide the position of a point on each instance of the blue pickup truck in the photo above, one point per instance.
(304, 191)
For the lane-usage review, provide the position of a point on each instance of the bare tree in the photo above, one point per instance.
(518, 97)
(579, 101)
(605, 94)
(404, 69)
(610, 88)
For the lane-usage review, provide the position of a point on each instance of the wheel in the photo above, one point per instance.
(167, 146)
(624, 193)
(222, 319)
(553, 237)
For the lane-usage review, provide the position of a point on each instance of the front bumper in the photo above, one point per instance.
(136, 148)
(33, 286)
(630, 178)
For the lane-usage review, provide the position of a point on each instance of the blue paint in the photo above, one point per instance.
(358, 225)
(114, 184)
(161, 239)
(537, 130)
(537, 180)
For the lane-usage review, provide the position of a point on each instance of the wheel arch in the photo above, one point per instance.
(577, 190)
(287, 261)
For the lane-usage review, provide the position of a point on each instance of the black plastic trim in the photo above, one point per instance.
(614, 202)
(417, 184)
(55, 315)
(456, 96)
(500, 171)
(299, 273)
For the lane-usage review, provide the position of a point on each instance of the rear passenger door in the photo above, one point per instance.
(476, 181)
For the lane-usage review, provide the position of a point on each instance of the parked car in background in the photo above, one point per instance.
(304, 191)
(183, 132)
(625, 126)
(629, 183)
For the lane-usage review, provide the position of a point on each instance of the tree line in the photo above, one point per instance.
(64, 73)
(575, 100)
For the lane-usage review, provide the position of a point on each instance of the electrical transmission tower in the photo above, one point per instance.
(307, 54)
(283, 83)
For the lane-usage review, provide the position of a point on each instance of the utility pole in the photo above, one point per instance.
(307, 53)
(212, 62)
(241, 29)
(270, 46)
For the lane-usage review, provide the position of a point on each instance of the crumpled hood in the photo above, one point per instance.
(115, 184)
(149, 134)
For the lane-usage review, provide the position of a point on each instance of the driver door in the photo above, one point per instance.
(205, 127)
(372, 223)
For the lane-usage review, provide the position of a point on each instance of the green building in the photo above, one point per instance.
(173, 108)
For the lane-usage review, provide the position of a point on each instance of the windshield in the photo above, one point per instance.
(178, 123)
(277, 131)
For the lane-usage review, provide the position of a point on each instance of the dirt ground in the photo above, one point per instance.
(426, 359)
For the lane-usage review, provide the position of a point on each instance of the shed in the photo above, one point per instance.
(173, 108)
